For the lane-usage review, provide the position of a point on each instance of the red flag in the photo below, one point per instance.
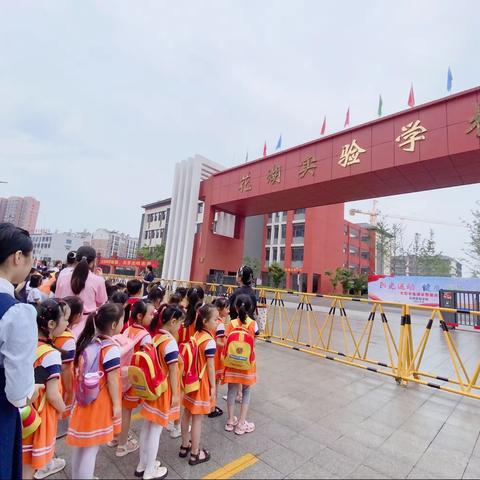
(265, 149)
(347, 118)
(411, 97)
(324, 126)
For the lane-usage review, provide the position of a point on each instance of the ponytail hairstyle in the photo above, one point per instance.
(174, 299)
(51, 309)
(98, 323)
(139, 308)
(194, 296)
(245, 273)
(171, 313)
(119, 297)
(243, 305)
(221, 303)
(203, 314)
(76, 307)
(156, 293)
(182, 291)
(85, 256)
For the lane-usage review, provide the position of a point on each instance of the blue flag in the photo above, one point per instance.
(279, 143)
(449, 80)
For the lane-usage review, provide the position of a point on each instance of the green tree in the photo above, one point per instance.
(254, 264)
(383, 246)
(276, 273)
(342, 276)
(473, 243)
(359, 283)
(155, 253)
(430, 261)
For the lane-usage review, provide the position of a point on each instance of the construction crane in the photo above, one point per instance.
(375, 213)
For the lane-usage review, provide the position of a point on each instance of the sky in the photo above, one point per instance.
(99, 100)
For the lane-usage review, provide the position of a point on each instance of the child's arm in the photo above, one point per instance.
(173, 376)
(53, 395)
(113, 390)
(67, 379)
(211, 375)
(220, 343)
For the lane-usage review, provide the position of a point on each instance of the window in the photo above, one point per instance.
(365, 238)
(269, 234)
(162, 230)
(157, 233)
(298, 231)
(353, 250)
(365, 255)
(267, 254)
(353, 233)
(282, 254)
(297, 254)
(345, 229)
(275, 233)
(284, 216)
(300, 211)
(284, 232)
(200, 208)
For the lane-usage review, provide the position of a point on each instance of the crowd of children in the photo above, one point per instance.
(91, 375)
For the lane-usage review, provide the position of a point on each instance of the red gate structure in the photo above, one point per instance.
(431, 146)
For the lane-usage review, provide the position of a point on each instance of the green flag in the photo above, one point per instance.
(380, 105)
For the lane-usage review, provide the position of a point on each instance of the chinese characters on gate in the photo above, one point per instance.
(351, 154)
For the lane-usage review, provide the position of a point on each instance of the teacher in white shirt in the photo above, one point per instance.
(18, 343)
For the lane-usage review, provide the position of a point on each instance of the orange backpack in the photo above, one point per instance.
(192, 376)
(145, 373)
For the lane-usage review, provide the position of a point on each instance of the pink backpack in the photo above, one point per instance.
(90, 374)
(127, 343)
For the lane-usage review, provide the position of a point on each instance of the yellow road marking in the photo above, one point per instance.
(232, 468)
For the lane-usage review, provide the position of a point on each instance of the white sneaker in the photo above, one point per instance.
(158, 474)
(55, 465)
(177, 431)
(170, 426)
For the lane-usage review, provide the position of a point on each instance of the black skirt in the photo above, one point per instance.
(10, 436)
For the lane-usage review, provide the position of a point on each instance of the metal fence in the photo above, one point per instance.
(463, 302)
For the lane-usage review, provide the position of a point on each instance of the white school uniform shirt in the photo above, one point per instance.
(18, 346)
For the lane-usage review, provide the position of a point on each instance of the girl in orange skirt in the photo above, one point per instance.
(222, 306)
(39, 447)
(141, 318)
(244, 378)
(199, 402)
(158, 413)
(67, 345)
(195, 296)
(96, 424)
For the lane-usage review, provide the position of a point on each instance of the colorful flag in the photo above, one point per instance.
(279, 143)
(380, 106)
(411, 97)
(347, 118)
(265, 149)
(449, 80)
(324, 126)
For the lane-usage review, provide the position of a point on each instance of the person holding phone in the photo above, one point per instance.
(18, 344)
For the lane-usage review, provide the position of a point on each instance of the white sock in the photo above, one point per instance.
(143, 446)
(152, 447)
(83, 462)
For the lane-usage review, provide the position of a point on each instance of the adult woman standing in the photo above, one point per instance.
(18, 343)
(244, 280)
(85, 284)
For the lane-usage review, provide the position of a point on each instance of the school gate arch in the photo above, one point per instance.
(431, 146)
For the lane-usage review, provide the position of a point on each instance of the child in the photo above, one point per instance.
(235, 377)
(200, 402)
(35, 296)
(195, 297)
(156, 295)
(160, 412)
(142, 315)
(182, 293)
(96, 424)
(39, 447)
(221, 305)
(135, 294)
(67, 345)
(119, 297)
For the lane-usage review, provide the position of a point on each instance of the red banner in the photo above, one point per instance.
(126, 262)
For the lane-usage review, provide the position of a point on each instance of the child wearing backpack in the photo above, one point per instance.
(221, 304)
(199, 400)
(166, 408)
(67, 345)
(240, 367)
(97, 413)
(39, 446)
(142, 315)
(195, 296)
(135, 294)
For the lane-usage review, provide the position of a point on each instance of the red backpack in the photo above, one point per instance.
(191, 376)
(145, 373)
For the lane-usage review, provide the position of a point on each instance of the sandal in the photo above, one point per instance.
(244, 428)
(129, 447)
(216, 413)
(184, 450)
(230, 427)
(196, 460)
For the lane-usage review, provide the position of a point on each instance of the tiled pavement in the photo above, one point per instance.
(318, 419)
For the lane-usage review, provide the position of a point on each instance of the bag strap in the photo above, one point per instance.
(160, 338)
(6, 302)
(42, 350)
